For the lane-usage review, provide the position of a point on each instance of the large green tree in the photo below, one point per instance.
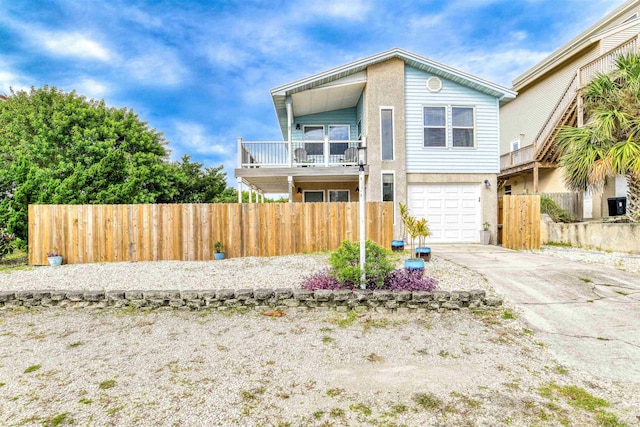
(608, 144)
(58, 147)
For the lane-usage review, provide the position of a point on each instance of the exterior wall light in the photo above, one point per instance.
(487, 183)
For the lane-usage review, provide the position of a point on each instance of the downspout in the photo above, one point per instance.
(289, 105)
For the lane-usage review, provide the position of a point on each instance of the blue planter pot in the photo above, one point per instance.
(397, 245)
(54, 261)
(424, 253)
(414, 264)
(218, 255)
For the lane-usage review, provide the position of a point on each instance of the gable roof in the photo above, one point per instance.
(325, 78)
(579, 43)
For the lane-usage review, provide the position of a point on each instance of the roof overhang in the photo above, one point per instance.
(340, 87)
(276, 180)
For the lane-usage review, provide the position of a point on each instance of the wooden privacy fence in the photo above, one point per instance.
(154, 232)
(521, 222)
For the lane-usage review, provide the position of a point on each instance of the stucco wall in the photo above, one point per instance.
(606, 236)
(385, 88)
(488, 196)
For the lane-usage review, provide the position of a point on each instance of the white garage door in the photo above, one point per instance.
(453, 211)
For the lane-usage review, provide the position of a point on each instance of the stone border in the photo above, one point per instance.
(255, 299)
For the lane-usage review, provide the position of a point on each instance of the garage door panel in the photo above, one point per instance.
(453, 210)
(469, 219)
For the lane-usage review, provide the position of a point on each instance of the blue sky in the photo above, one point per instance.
(200, 72)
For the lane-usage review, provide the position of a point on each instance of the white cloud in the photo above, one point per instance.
(424, 22)
(92, 88)
(519, 35)
(193, 137)
(140, 17)
(354, 10)
(73, 45)
(11, 80)
(161, 67)
(227, 56)
(499, 66)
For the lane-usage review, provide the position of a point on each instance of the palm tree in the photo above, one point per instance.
(609, 143)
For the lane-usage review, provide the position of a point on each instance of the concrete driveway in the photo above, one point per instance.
(589, 315)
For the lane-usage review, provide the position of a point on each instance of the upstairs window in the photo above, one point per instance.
(314, 136)
(463, 127)
(338, 133)
(435, 127)
(449, 127)
(386, 133)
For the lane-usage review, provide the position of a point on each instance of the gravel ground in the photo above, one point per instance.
(234, 273)
(189, 369)
(116, 367)
(620, 260)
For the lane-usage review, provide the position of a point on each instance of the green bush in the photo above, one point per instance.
(346, 264)
(7, 243)
(551, 208)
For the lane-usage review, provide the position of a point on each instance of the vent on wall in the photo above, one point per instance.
(434, 84)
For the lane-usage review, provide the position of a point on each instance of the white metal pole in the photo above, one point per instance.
(240, 190)
(362, 226)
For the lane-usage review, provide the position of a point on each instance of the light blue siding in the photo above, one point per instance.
(346, 116)
(484, 158)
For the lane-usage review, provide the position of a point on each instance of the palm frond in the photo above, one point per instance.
(624, 155)
(599, 171)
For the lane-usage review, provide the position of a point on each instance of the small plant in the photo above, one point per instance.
(551, 208)
(7, 243)
(32, 368)
(486, 226)
(417, 228)
(333, 392)
(52, 254)
(104, 385)
(346, 264)
(217, 247)
(405, 279)
(322, 279)
(427, 401)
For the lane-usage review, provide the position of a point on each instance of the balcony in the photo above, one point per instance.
(517, 160)
(283, 154)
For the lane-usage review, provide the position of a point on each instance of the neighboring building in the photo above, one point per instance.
(431, 133)
(548, 98)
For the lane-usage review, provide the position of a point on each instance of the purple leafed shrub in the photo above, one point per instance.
(404, 279)
(322, 280)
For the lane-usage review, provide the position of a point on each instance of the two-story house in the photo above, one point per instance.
(431, 132)
(549, 97)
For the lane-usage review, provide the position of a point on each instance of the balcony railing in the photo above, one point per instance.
(518, 157)
(324, 153)
(607, 62)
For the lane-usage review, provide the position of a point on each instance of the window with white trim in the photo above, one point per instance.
(338, 133)
(463, 127)
(338, 195)
(314, 137)
(388, 189)
(435, 127)
(448, 126)
(386, 133)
